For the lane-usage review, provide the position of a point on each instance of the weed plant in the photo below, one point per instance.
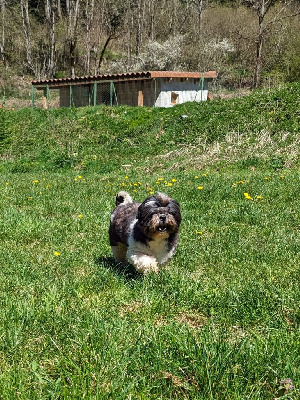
(221, 321)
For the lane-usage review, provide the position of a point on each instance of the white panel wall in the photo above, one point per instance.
(186, 91)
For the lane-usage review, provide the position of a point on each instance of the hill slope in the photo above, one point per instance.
(258, 127)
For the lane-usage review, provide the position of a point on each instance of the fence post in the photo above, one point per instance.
(111, 92)
(95, 93)
(32, 96)
(154, 92)
(202, 86)
(71, 96)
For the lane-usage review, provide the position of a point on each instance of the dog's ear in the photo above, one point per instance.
(147, 205)
(174, 209)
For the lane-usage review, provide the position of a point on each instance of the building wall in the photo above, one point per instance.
(160, 92)
(134, 93)
(177, 91)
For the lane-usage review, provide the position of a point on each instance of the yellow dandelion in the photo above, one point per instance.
(80, 216)
(56, 253)
(247, 196)
(6, 183)
(170, 184)
(126, 177)
(79, 177)
(200, 233)
(35, 181)
(259, 197)
(174, 180)
(200, 187)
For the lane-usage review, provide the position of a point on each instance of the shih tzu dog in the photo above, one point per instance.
(146, 233)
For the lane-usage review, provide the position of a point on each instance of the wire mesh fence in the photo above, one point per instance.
(75, 95)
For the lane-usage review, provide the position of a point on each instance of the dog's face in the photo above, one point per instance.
(159, 216)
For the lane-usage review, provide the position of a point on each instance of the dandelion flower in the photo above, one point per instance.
(200, 233)
(56, 253)
(259, 197)
(80, 216)
(35, 181)
(200, 187)
(247, 196)
(174, 180)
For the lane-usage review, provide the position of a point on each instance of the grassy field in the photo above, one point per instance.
(221, 321)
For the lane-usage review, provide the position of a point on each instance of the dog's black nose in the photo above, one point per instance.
(163, 218)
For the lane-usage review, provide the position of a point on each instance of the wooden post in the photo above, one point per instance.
(45, 102)
(140, 98)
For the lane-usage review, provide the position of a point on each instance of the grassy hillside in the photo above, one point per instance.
(221, 321)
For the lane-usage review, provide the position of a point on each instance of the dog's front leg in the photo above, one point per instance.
(143, 263)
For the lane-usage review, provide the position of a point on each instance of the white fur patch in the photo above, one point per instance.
(147, 258)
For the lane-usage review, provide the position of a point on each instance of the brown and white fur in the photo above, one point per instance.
(146, 233)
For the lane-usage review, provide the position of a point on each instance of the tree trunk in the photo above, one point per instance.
(72, 19)
(110, 37)
(26, 31)
(2, 44)
(259, 44)
(50, 19)
(89, 22)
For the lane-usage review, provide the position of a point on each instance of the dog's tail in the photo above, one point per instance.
(123, 198)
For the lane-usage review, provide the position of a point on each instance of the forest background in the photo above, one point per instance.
(250, 43)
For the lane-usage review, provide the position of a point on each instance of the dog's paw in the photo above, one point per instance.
(144, 264)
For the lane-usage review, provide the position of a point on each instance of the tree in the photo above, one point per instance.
(89, 14)
(261, 8)
(114, 16)
(50, 8)
(2, 43)
(27, 34)
(73, 9)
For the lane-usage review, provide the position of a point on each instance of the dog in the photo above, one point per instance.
(144, 233)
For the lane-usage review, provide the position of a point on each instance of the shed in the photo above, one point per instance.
(150, 88)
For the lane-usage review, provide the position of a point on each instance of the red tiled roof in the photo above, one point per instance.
(124, 77)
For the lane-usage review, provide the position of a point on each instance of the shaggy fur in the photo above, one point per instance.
(146, 233)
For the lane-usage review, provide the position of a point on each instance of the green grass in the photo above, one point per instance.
(221, 321)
